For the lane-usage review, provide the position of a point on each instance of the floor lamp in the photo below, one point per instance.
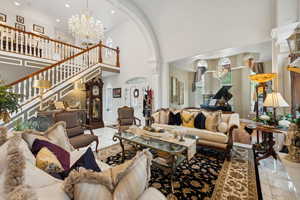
(41, 85)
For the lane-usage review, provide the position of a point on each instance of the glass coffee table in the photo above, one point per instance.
(176, 153)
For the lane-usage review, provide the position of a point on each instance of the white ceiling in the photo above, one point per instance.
(56, 9)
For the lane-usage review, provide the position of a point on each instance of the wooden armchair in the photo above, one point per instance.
(75, 130)
(126, 118)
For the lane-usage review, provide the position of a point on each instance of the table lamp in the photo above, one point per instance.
(41, 85)
(275, 100)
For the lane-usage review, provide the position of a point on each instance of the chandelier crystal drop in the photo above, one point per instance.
(85, 28)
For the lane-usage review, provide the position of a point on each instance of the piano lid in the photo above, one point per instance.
(223, 93)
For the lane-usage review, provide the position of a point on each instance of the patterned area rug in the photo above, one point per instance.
(206, 176)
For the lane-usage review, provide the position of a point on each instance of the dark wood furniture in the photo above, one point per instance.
(75, 129)
(126, 118)
(94, 103)
(265, 148)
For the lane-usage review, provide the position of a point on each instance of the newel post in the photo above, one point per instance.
(118, 57)
(100, 51)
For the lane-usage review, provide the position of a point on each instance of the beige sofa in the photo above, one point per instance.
(212, 139)
(37, 184)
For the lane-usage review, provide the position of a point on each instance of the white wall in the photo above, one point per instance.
(33, 17)
(186, 28)
(134, 58)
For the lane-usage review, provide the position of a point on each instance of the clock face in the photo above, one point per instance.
(95, 90)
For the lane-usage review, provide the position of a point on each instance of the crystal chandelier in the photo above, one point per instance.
(85, 28)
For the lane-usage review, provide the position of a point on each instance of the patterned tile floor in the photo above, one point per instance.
(280, 179)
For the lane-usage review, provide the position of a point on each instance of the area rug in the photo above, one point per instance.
(207, 176)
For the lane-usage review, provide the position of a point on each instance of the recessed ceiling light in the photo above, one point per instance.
(57, 20)
(17, 3)
(67, 5)
(113, 12)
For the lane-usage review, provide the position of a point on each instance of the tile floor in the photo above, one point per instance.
(280, 179)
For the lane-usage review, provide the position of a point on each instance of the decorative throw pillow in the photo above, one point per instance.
(164, 116)
(124, 182)
(58, 135)
(62, 155)
(223, 127)
(156, 117)
(175, 119)
(200, 121)
(212, 120)
(30, 135)
(187, 119)
(47, 161)
(86, 161)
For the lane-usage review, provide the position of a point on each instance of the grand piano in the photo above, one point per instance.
(220, 101)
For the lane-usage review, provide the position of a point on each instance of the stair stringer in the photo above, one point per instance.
(34, 104)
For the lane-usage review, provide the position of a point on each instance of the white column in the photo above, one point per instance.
(165, 85)
(155, 82)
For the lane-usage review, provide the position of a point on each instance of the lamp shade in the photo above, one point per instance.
(275, 100)
(42, 84)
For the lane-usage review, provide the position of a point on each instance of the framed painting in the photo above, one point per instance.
(20, 19)
(3, 17)
(20, 26)
(117, 92)
(38, 28)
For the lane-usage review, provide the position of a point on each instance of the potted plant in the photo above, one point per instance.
(8, 102)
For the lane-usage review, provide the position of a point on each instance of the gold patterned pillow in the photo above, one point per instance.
(212, 120)
(47, 161)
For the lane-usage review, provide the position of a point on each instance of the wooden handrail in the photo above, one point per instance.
(108, 47)
(52, 66)
(40, 36)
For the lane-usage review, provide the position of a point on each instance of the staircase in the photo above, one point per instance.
(72, 64)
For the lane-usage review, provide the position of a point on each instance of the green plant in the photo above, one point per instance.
(8, 102)
(22, 125)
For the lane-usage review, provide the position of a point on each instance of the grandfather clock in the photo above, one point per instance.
(94, 102)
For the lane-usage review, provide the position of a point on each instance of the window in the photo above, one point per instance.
(227, 79)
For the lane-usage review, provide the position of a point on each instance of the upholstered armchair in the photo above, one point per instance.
(126, 118)
(75, 130)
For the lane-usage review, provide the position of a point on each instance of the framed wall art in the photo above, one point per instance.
(117, 92)
(20, 26)
(20, 19)
(38, 28)
(3, 17)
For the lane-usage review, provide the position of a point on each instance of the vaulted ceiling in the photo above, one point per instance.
(61, 10)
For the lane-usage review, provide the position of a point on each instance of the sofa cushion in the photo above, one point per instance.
(72, 132)
(187, 119)
(51, 192)
(212, 120)
(31, 135)
(156, 117)
(90, 191)
(82, 140)
(127, 181)
(199, 121)
(164, 116)
(174, 119)
(152, 193)
(58, 135)
(203, 134)
(223, 127)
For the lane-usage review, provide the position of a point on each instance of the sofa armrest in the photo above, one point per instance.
(234, 120)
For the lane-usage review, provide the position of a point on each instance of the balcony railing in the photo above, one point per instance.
(30, 44)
